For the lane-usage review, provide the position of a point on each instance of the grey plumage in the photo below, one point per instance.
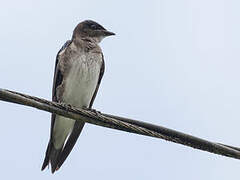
(79, 69)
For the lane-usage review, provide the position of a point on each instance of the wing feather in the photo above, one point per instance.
(57, 80)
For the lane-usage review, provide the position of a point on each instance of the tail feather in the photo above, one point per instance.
(52, 156)
(56, 157)
(55, 154)
(70, 142)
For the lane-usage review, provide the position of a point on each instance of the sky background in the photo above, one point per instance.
(172, 63)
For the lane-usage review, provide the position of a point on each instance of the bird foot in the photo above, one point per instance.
(97, 113)
(67, 106)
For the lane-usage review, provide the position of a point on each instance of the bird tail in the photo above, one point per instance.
(57, 156)
(52, 155)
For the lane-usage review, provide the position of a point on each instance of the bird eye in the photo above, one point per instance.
(93, 26)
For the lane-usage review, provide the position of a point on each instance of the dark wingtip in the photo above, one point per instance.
(46, 159)
(43, 167)
(45, 163)
(54, 167)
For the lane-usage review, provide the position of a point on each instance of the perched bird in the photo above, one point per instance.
(79, 69)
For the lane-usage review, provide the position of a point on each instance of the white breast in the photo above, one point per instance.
(82, 80)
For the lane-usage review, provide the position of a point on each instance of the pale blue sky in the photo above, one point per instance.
(173, 63)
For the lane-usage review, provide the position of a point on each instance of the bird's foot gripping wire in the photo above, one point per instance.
(67, 106)
(97, 113)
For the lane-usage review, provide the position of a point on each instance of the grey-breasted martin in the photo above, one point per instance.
(79, 69)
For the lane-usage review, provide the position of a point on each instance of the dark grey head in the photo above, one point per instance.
(91, 29)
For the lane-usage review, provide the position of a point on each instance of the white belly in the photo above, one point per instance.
(79, 88)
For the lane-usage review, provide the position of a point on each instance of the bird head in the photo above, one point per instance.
(91, 29)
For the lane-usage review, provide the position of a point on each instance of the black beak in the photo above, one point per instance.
(108, 33)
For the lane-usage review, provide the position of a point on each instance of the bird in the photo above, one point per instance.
(79, 68)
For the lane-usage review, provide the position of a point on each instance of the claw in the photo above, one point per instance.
(98, 113)
(67, 106)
